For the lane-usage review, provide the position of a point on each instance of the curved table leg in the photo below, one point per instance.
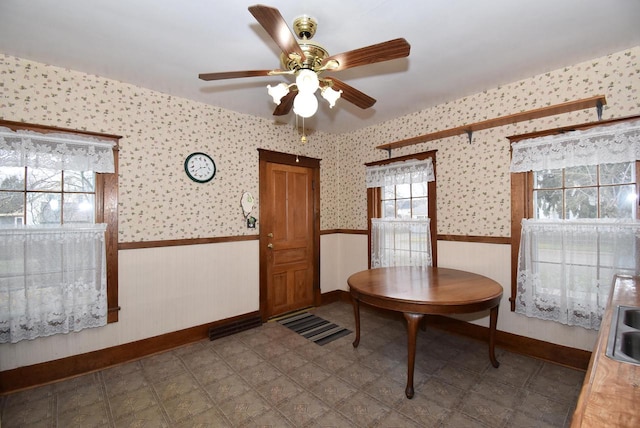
(413, 321)
(493, 322)
(356, 312)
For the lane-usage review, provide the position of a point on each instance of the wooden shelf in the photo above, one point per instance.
(570, 128)
(597, 101)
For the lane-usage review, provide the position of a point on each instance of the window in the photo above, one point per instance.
(406, 201)
(49, 201)
(580, 192)
(574, 221)
(35, 196)
(402, 216)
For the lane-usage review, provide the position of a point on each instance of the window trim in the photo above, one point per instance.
(374, 198)
(522, 200)
(106, 206)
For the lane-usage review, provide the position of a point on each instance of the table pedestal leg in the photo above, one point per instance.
(493, 322)
(413, 321)
(356, 312)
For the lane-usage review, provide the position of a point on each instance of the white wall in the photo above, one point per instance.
(329, 257)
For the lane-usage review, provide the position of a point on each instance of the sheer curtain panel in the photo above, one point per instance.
(400, 242)
(566, 268)
(53, 280)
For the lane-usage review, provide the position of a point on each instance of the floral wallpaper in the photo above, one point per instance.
(158, 202)
(473, 180)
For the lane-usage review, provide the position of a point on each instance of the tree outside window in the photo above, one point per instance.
(582, 192)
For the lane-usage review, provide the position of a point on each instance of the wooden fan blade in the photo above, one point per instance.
(385, 51)
(273, 22)
(234, 74)
(351, 94)
(286, 103)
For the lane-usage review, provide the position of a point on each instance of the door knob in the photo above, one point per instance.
(270, 235)
(269, 245)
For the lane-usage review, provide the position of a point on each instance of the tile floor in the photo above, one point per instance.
(270, 376)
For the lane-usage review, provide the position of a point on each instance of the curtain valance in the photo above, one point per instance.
(599, 145)
(58, 151)
(405, 172)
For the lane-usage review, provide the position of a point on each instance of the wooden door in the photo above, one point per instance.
(289, 232)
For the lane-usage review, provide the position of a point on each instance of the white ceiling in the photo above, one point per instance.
(458, 47)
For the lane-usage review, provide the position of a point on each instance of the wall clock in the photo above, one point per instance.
(200, 167)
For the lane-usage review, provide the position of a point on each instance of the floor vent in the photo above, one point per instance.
(234, 327)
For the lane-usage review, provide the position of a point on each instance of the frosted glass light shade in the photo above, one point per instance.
(278, 91)
(305, 104)
(331, 95)
(307, 81)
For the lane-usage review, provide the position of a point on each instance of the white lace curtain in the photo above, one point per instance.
(394, 241)
(405, 172)
(606, 144)
(61, 151)
(53, 280)
(400, 242)
(566, 268)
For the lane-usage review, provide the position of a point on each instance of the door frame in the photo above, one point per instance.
(268, 156)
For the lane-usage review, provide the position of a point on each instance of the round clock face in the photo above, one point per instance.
(200, 167)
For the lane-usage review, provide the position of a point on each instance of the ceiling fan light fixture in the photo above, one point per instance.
(331, 95)
(305, 59)
(278, 91)
(305, 104)
(307, 81)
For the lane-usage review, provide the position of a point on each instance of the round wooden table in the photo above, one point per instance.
(418, 291)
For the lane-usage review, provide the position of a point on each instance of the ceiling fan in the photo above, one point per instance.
(307, 60)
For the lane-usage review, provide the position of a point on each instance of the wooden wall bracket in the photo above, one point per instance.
(597, 101)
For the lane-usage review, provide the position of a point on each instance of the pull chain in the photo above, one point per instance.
(303, 139)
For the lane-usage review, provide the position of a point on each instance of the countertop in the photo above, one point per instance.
(610, 395)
